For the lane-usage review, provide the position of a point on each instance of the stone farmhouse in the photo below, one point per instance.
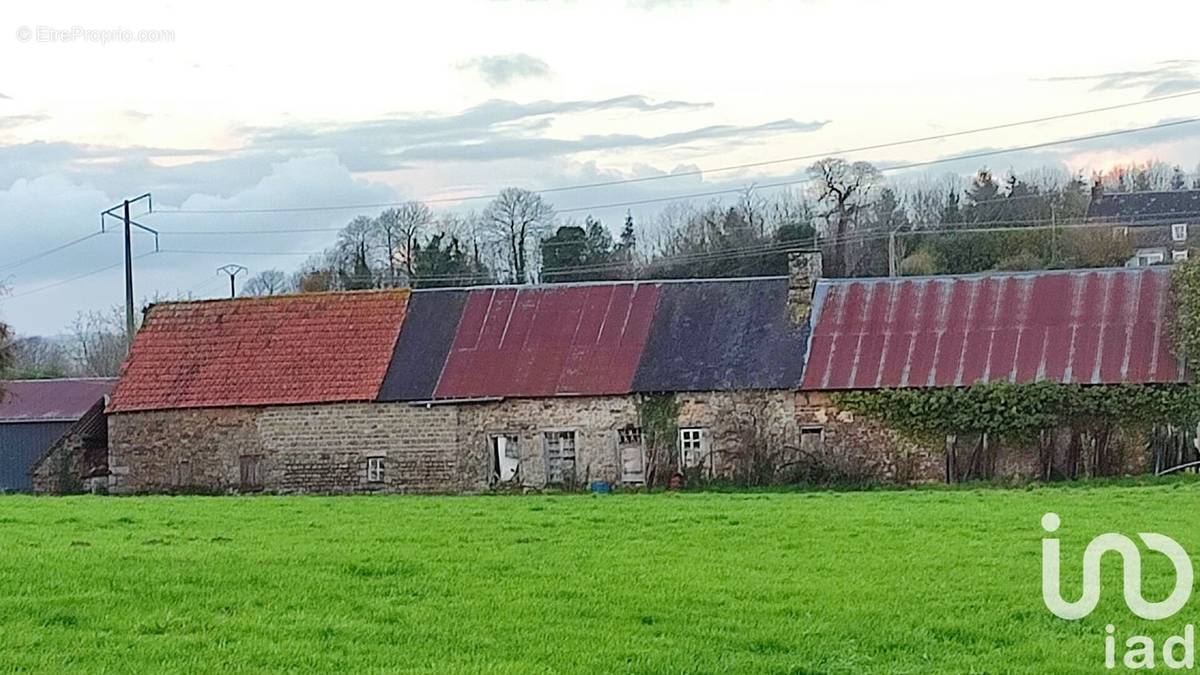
(622, 383)
(458, 389)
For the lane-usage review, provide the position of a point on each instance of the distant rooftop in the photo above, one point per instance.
(60, 400)
(1146, 208)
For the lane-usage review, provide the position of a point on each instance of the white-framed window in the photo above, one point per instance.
(560, 447)
(693, 447)
(1179, 256)
(375, 469)
(629, 436)
(1179, 232)
(1148, 258)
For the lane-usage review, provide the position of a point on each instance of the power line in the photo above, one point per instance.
(77, 277)
(695, 172)
(50, 251)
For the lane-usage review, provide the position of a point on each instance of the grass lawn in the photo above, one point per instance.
(919, 581)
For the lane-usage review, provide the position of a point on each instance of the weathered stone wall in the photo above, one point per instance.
(299, 449)
(76, 460)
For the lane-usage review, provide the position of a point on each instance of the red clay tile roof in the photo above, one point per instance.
(311, 348)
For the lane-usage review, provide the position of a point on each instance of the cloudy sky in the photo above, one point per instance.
(222, 105)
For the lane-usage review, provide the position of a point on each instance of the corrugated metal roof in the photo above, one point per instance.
(429, 327)
(549, 341)
(1076, 326)
(308, 348)
(722, 335)
(51, 400)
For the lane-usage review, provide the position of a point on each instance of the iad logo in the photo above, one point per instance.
(1131, 559)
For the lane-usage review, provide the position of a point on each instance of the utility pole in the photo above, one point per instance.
(129, 223)
(892, 253)
(232, 270)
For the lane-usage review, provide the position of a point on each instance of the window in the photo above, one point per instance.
(251, 470)
(629, 436)
(1179, 256)
(375, 469)
(693, 450)
(1179, 232)
(506, 457)
(1148, 258)
(560, 456)
(812, 439)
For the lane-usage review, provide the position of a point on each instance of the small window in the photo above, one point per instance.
(251, 470)
(629, 436)
(692, 450)
(375, 470)
(1179, 256)
(1148, 259)
(1179, 232)
(812, 439)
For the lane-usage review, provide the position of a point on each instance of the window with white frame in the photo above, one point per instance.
(559, 447)
(1148, 258)
(375, 469)
(1179, 256)
(1179, 232)
(693, 450)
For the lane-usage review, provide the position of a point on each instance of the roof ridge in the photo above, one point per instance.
(996, 273)
(60, 379)
(246, 299)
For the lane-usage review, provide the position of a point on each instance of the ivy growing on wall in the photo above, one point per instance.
(1185, 308)
(659, 414)
(1006, 413)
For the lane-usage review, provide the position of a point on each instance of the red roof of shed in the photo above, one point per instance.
(64, 400)
(1076, 326)
(549, 341)
(311, 348)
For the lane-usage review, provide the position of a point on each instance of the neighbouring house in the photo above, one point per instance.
(1094, 327)
(455, 390)
(1162, 226)
(39, 416)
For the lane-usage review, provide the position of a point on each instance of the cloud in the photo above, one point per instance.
(495, 130)
(501, 69)
(14, 121)
(5, 97)
(1167, 77)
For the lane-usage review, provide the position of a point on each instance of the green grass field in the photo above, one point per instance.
(920, 581)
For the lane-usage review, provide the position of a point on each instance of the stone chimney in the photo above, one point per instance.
(804, 269)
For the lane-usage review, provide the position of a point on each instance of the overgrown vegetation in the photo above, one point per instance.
(659, 415)
(1028, 415)
(1185, 313)
(928, 581)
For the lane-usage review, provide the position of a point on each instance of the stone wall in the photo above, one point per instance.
(324, 449)
(77, 461)
(328, 448)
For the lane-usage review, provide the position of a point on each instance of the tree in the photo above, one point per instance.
(398, 231)
(355, 253)
(625, 252)
(578, 253)
(37, 357)
(517, 219)
(843, 190)
(6, 351)
(435, 265)
(98, 339)
(267, 282)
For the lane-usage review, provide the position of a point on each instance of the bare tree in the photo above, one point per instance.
(98, 339)
(6, 351)
(517, 219)
(843, 190)
(35, 356)
(268, 282)
(398, 231)
(355, 254)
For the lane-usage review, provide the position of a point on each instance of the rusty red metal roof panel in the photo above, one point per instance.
(62, 400)
(549, 341)
(308, 348)
(1074, 326)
